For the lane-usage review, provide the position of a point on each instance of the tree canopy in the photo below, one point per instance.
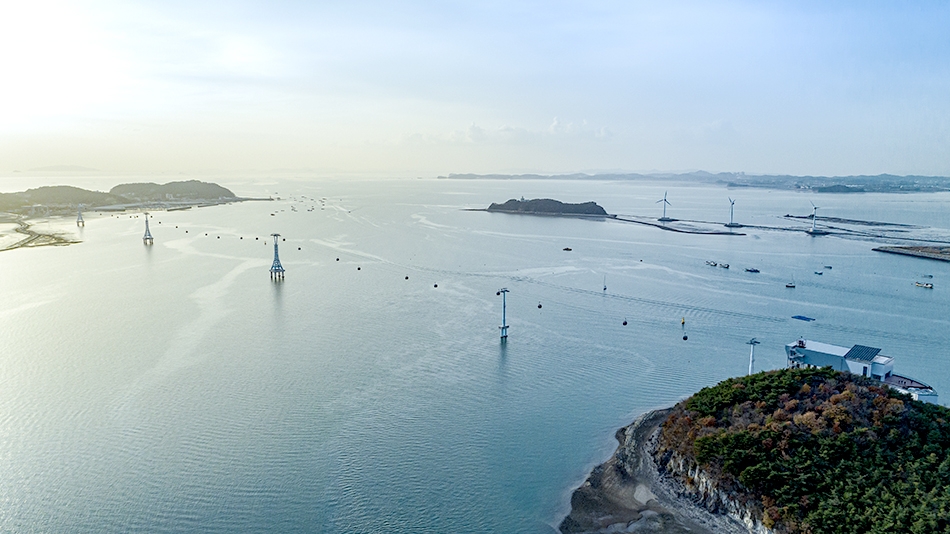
(820, 451)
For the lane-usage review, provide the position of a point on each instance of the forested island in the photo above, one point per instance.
(19, 208)
(789, 451)
(65, 198)
(547, 206)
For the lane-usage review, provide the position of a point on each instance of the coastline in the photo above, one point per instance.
(627, 493)
(33, 238)
(930, 253)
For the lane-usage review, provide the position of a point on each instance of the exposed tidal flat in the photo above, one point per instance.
(176, 388)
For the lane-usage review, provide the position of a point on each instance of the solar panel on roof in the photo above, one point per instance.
(862, 353)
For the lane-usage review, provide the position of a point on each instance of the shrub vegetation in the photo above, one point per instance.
(819, 451)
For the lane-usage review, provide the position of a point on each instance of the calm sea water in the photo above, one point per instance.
(176, 388)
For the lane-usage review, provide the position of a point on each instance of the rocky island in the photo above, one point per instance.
(547, 206)
(788, 451)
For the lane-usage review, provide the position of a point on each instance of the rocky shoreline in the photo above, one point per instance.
(628, 493)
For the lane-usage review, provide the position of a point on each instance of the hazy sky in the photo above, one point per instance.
(438, 87)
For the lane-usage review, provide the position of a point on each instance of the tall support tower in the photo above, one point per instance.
(504, 304)
(666, 203)
(276, 269)
(79, 221)
(732, 207)
(753, 342)
(147, 238)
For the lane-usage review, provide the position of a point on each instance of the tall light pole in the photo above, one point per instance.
(753, 342)
(504, 322)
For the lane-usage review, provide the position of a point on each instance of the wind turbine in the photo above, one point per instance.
(732, 207)
(752, 342)
(814, 219)
(666, 203)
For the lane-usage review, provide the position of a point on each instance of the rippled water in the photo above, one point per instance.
(176, 388)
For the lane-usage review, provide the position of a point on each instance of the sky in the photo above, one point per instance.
(432, 88)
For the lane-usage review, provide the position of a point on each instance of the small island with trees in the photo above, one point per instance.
(789, 451)
(547, 206)
(17, 209)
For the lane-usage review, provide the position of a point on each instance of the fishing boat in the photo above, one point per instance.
(567, 249)
(803, 318)
(724, 265)
(790, 285)
(819, 273)
(928, 285)
(711, 263)
(752, 270)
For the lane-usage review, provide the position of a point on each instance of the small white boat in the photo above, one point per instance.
(790, 285)
(925, 286)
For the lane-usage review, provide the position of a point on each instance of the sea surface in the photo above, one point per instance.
(176, 388)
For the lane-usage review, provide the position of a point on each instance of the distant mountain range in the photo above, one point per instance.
(63, 168)
(821, 184)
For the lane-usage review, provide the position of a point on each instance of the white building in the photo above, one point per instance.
(860, 360)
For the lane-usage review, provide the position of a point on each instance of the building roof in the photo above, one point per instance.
(862, 353)
(818, 346)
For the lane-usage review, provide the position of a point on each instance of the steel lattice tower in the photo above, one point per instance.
(147, 239)
(276, 270)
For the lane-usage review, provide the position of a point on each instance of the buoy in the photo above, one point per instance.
(625, 322)
(435, 285)
(685, 337)
(407, 278)
(298, 248)
(186, 231)
(283, 239)
(255, 239)
(338, 259)
(176, 226)
(683, 321)
(539, 305)
(219, 237)
(497, 293)
(206, 233)
(242, 237)
(357, 268)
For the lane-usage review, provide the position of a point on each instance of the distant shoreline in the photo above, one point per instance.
(930, 253)
(40, 239)
(33, 238)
